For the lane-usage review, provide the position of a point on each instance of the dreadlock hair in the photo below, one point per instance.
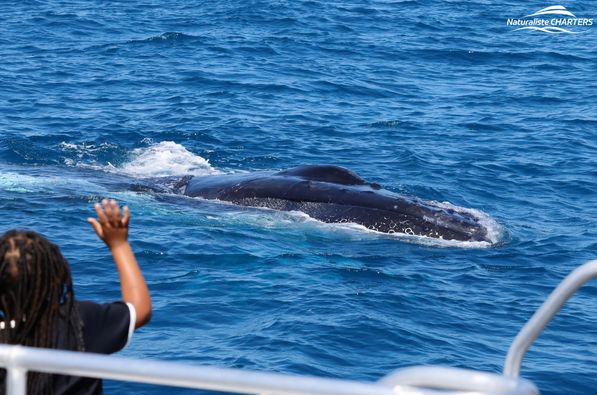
(36, 292)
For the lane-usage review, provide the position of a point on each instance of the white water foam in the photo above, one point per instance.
(83, 151)
(85, 148)
(20, 183)
(23, 183)
(166, 158)
(162, 159)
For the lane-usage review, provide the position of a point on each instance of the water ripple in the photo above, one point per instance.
(438, 100)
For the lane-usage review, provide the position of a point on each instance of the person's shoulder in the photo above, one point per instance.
(107, 327)
(87, 305)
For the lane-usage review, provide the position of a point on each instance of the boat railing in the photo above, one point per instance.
(421, 380)
(545, 314)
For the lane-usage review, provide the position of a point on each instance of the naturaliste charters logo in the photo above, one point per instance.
(554, 19)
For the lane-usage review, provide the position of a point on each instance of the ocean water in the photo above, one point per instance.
(440, 100)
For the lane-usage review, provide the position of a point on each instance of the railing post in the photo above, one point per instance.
(16, 381)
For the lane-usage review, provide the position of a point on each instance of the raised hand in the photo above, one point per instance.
(111, 226)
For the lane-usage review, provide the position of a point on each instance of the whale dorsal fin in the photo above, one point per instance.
(325, 173)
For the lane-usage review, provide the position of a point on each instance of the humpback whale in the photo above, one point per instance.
(334, 194)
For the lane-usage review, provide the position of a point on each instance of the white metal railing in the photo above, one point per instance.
(18, 360)
(422, 380)
(436, 380)
(544, 315)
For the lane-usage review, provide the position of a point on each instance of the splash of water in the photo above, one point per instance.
(165, 158)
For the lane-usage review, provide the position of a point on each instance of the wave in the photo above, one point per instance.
(84, 150)
(392, 124)
(165, 37)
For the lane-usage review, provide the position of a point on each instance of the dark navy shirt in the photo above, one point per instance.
(107, 328)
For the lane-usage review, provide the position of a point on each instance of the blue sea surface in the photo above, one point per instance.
(441, 100)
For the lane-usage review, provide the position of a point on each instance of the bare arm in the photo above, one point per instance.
(113, 228)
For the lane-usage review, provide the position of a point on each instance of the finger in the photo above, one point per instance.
(127, 216)
(96, 226)
(116, 211)
(100, 214)
(108, 210)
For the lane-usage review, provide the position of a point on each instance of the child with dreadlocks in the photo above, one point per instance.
(38, 306)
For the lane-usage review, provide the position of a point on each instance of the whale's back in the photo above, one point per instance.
(334, 194)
